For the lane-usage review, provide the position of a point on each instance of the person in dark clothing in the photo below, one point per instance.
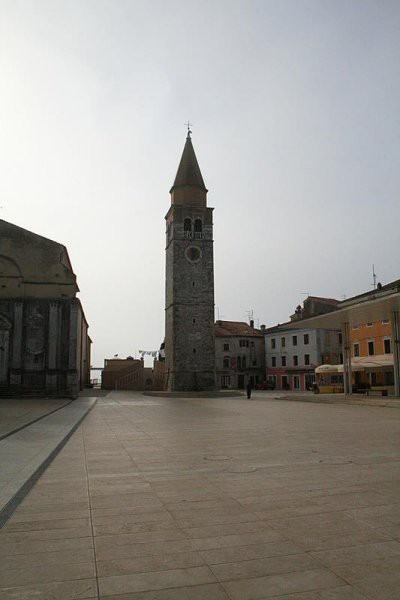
(248, 389)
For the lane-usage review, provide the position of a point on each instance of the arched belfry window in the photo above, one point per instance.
(198, 226)
(187, 224)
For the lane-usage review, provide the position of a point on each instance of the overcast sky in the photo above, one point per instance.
(295, 112)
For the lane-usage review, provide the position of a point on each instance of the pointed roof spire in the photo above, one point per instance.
(189, 173)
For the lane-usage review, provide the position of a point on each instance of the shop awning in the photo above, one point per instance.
(360, 363)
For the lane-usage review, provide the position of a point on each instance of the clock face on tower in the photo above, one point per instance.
(193, 254)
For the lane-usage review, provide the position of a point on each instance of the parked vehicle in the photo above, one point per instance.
(267, 385)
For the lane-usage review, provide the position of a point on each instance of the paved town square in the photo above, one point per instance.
(189, 499)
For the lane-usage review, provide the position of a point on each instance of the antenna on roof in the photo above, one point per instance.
(249, 314)
(373, 277)
(305, 294)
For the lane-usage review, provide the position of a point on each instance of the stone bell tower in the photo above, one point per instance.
(189, 294)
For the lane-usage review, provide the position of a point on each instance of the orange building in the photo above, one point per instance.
(372, 344)
(371, 339)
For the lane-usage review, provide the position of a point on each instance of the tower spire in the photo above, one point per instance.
(188, 174)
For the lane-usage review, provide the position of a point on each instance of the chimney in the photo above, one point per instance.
(252, 323)
(262, 327)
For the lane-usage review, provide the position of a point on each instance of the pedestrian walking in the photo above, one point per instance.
(248, 389)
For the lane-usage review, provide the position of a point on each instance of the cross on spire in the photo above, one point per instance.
(188, 125)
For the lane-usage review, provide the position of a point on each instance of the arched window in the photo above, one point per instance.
(198, 226)
(187, 224)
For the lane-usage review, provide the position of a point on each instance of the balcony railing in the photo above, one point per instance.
(193, 235)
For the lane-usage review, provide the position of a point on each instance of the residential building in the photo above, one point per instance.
(372, 344)
(239, 354)
(292, 356)
(370, 326)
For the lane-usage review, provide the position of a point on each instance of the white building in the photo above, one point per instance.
(292, 356)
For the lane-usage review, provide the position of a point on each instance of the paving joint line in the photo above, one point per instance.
(96, 573)
(8, 510)
(6, 435)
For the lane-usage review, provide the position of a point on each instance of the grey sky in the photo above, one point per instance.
(295, 106)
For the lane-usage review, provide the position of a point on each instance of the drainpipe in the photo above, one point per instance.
(396, 352)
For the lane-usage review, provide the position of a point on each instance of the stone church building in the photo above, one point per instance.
(189, 297)
(44, 342)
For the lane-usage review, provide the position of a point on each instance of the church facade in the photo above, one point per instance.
(44, 341)
(189, 296)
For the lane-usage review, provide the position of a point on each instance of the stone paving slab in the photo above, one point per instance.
(213, 499)
(18, 412)
(23, 453)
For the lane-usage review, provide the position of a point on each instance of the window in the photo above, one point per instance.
(355, 326)
(387, 346)
(306, 359)
(283, 361)
(369, 324)
(243, 362)
(385, 321)
(273, 342)
(226, 347)
(340, 338)
(296, 382)
(187, 225)
(273, 361)
(306, 338)
(252, 344)
(295, 360)
(198, 226)
(244, 343)
(371, 349)
(283, 342)
(226, 362)
(254, 363)
(194, 350)
(294, 340)
(193, 320)
(356, 349)
(341, 358)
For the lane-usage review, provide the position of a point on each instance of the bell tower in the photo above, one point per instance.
(189, 293)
